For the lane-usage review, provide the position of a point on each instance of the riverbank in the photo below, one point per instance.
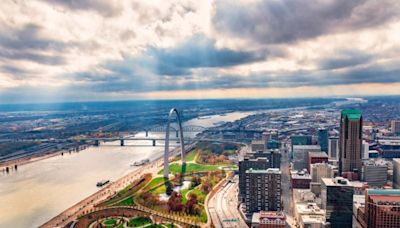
(26, 160)
(87, 204)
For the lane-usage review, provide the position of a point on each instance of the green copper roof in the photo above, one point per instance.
(387, 192)
(351, 114)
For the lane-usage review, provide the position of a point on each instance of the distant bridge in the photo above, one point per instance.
(163, 129)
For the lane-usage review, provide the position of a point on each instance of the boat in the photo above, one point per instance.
(142, 162)
(219, 123)
(102, 183)
(203, 117)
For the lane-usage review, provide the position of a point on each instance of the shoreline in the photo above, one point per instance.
(28, 160)
(87, 204)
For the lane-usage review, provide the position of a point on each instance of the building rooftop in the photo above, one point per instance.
(270, 170)
(384, 192)
(258, 142)
(313, 219)
(318, 154)
(307, 147)
(268, 215)
(272, 214)
(351, 114)
(309, 209)
(385, 199)
(337, 181)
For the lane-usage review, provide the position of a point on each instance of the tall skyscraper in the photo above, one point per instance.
(263, 190)
(350, 141)
(323, 135)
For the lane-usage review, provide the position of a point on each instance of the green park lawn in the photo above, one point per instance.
(190, 167)
(110, 222)
(201, 196)
(139, 221)
(126, 202)
(191, 155)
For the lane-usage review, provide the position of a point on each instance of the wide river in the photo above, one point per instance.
(41, 190)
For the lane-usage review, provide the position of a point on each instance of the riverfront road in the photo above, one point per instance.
(223, 207)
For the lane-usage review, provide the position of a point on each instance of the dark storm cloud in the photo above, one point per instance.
(15, 72)
(33, 57)
(286, 21)
(367, 74)
(199, 52)
(27, 44)
(137, 83)
(345, 59)
(104, 7)
(28, 38)
(149, 67)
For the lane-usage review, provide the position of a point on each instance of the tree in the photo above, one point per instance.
(206, 186)
(175, 202)
(196, 180)
(190, 206)
(222, 158)
(150, 199)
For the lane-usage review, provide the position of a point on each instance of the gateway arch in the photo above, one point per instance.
(166, 150)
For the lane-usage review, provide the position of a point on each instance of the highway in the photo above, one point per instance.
(223, 207)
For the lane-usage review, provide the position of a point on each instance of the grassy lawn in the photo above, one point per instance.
(156, 226)
(159, 190)
(155, 182)
(191, 155)
(127, 191)
(110, 222)
(126, 202)
(139, 221)
(190, 167)
(183, 192)
(201, 196)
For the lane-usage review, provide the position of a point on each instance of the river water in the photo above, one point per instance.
(41, 190)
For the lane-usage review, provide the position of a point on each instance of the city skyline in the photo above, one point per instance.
(63, 51)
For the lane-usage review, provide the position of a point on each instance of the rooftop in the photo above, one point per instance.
(385, 192)
(313, 219)
(338, 181)
(270, 170)
(309, 209)
(318, 154)
(272, 214)
(307, 147)
(351, 114)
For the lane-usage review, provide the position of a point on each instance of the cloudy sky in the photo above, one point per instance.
(73, 50)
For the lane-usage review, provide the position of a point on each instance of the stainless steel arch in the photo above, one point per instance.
(166, 150)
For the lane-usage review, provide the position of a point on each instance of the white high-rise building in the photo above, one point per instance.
(375, 173)
(365, 150)
(321, 170)
(396, 173)
(333, 148)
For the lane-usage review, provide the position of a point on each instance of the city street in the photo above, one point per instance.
(287, 196)
(223, 206)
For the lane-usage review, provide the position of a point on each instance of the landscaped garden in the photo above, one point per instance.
(183, 194)
(122, 222)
